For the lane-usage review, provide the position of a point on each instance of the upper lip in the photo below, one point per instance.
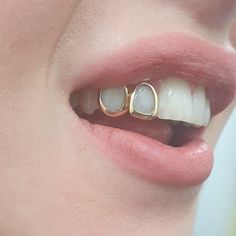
(171, 54)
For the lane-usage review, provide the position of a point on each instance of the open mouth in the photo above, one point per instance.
(151, 101)
(171, 111)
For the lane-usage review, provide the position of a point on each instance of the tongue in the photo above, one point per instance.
(156, 129)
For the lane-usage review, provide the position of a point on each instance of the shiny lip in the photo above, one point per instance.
(171, 54)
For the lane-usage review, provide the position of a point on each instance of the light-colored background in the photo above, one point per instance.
(216, 215)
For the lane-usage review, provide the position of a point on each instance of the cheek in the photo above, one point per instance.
(212, 13)
(30, 26)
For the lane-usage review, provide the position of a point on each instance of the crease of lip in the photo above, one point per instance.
(170, 54)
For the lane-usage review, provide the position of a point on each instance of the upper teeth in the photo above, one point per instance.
(88, 100)
(144, 102)
(114, 101)
(175, 101)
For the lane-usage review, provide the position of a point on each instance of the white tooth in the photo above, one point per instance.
(143, 102)
(207, 113)
(88, 100)
(199, 105)
(175, 100)
(113, 101)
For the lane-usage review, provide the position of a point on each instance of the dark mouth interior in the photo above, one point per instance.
(166, 132)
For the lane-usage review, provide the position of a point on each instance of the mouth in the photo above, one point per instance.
(148, 104)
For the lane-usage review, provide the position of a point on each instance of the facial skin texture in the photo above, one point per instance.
(53, 180)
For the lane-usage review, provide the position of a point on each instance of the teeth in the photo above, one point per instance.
(201, 107)
(114, 101)
(176, 102)
(88, 100)
(143, 102)
(207, 112)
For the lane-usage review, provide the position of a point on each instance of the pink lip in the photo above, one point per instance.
(172, 54)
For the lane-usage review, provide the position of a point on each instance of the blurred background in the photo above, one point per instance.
(216, 215)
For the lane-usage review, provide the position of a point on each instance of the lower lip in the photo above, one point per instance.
(149, 159)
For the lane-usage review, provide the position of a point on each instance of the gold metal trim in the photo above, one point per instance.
(140, 115)
(120, 112)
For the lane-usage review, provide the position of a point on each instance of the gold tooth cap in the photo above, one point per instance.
(144, 102)
(114, 101)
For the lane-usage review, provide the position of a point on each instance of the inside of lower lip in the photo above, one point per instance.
(166, 132)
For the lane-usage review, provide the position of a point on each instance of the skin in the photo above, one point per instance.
(52, 181)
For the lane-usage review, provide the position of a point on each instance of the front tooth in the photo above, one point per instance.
(114, 101)
(88, 100)
(175, 100)
(207, 113)
(144, 102)
(199, 106)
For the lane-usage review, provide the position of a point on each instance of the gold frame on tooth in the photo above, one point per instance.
(121, 112)
(144, 116)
